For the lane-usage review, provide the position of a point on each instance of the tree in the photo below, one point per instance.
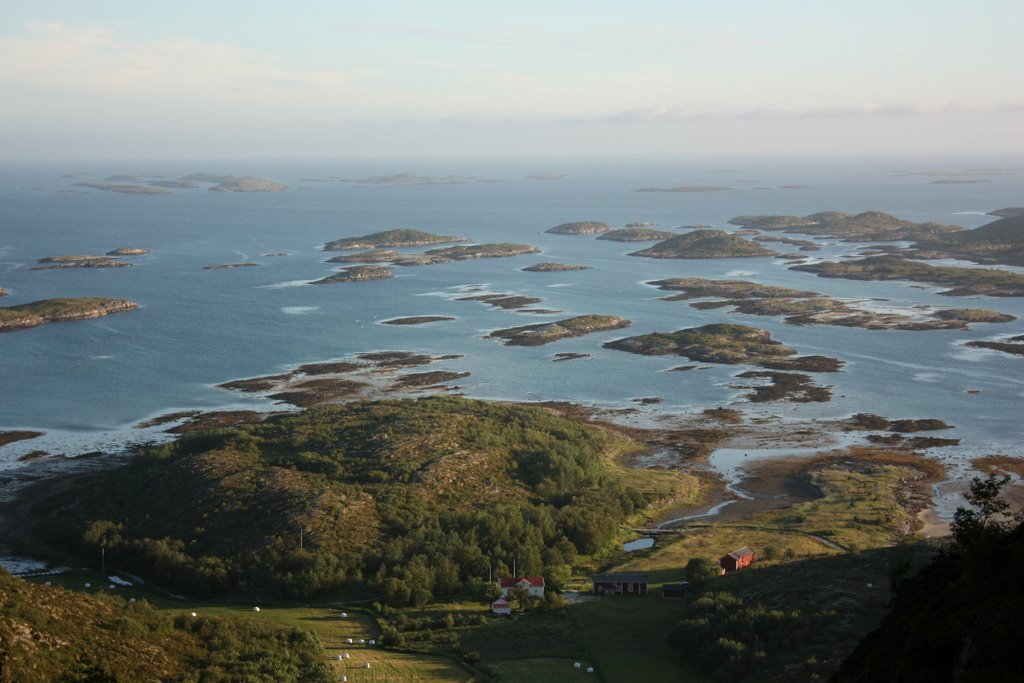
(701, 569)
(986, 518)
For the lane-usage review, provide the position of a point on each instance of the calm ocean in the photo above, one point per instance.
(85, 383)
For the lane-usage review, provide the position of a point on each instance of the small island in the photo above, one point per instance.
(7, 437)
(545, 333)
(433, 379)
(45, 311)
(868, 226)
(553, 267)
(725, 343)
(372, 256)
(233, 183)
(63, 262)
(785, 386)
(505, 301)
(127, 251)
(705, 244)
(391, 238)
(417, 320)
(356, 274)
(407, 179)
(804, 364)
(496, 250)
(637, 234)
(174, 184)
(716, 343)
(547, 176)
(686, 188)
(125, 189)
(568, 355)
(811, 308)
(963, 281)
(389, 257)
(580, 228)
(1011, 345)
(229, 266)
(974, 315)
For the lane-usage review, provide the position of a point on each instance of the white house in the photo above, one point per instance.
(501, 606)
(533, 585)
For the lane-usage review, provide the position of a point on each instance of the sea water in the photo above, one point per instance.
(87, 383)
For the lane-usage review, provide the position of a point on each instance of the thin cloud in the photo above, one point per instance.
(72, 57)
(865, 111)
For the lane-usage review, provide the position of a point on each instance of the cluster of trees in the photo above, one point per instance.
(344, 497)
(737, 641)
(957, 618)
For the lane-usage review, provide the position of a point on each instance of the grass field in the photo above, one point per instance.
(628, 636)
(542, 670)
(334, 631)
(665, 563)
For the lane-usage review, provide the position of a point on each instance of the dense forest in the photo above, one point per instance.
(402, 499)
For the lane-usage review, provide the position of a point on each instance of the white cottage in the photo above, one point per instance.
(533, 585)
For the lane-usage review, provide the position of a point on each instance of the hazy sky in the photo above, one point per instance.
(338, 78)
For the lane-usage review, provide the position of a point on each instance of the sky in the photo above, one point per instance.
(329, 79)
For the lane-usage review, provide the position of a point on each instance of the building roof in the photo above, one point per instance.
(742, 552)
(500, 602)
(621, 577)
(535, 581)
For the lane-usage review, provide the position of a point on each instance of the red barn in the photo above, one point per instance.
(737, 559)
(623, 583)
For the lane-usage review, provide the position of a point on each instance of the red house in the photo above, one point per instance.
(737, 559)
(623, 583)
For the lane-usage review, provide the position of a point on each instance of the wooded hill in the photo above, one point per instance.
(404, 499)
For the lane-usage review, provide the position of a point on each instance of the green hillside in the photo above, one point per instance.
(51, 634)
(406, 499)
(1001, 241)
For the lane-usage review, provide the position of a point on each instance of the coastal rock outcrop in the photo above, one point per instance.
(63, 262)
(356, 274)
(705, 244)
(545, 333)
(580, 228)
(59, 310)
(637, 234)
(402, 237)
(552, 267)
